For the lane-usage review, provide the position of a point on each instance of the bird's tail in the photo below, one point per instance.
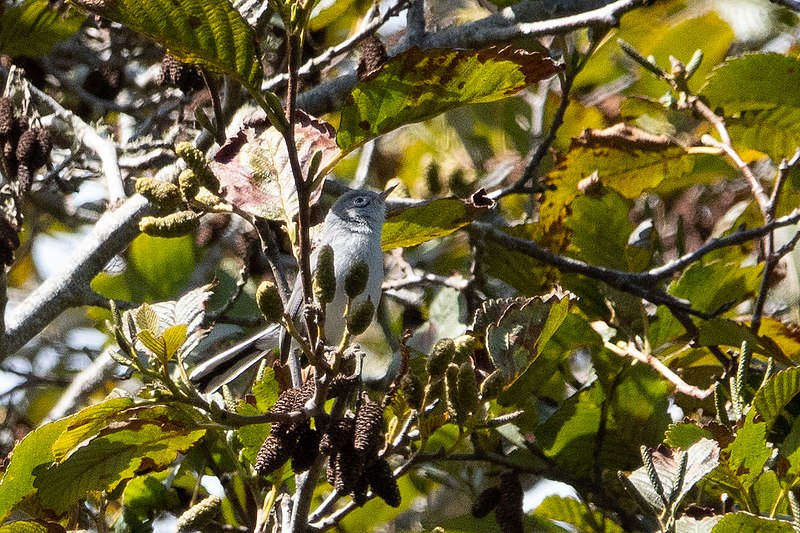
(226, 366)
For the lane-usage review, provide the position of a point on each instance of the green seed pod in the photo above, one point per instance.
(360, 318)
(164, 195)
(188, 184)
(356, 280)
(197, 161)
(440, 357)
(324, 276)
(173, 225)
(199, 515)
(465, 347)
(467, 391)
(493, 385)
(269, 302)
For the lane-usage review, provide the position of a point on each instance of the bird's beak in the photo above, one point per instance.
(386, 193)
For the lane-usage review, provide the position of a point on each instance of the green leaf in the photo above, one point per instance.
(725, 332)
(748, 523)
(577, 514)
(527, 275)
(252, 436)
(419, 84)
(266, 390)
(88, 423)
(30, 452)
(123, 452)
(629, 170)
(153, 342)
(430, 220)
(33, 27)
(25, 526)
(570, 434)
(157, 270)
(601, 230)
(515, 338)
(748, 452)
(174, 337)
(776, 132)
(754, 82)
(210, 33)
(684, 435)
(781, 388)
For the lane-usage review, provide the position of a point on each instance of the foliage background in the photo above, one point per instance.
(675, 236)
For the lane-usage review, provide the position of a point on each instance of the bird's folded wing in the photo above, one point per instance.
(226, 366)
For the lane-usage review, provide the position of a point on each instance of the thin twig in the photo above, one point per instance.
(681, 386)
(323, 60)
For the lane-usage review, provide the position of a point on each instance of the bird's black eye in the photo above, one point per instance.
(358, 201)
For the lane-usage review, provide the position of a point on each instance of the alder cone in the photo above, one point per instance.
(486, 502)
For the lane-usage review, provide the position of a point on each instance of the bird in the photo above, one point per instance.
(353, 229)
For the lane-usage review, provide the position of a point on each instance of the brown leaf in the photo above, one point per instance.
(253, 166)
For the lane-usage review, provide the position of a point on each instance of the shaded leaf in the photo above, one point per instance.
(517, 329)
(630, 171)
(253, 166)
(725, 332)
(204, 32)
(431, 220)
(419, 84)
(776, 132)
(754, 82)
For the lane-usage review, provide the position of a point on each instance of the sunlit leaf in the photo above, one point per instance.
(119, 454)
(683, 435)
(419, 84)
(88, 423)
(749, 451)
(30, 452)
(781, 388)
(431, 220)
(255, 171)
(206, 32)
(703, 457)
(577, 514)
(33, 27)
(742, 522)
(153, 342)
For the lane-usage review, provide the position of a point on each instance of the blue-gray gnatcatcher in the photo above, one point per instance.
(352, 228)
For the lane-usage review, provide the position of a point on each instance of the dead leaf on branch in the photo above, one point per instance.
(253, 165)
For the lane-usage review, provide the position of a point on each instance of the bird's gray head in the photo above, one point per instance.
(361, 209)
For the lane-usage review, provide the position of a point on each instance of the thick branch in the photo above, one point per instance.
(527, 18)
